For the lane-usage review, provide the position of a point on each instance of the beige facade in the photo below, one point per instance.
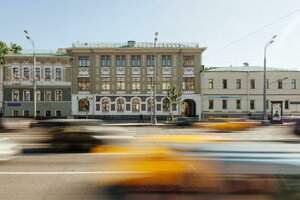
(238, 91)
(123, 76)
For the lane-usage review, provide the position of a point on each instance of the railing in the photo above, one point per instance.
(135, 45)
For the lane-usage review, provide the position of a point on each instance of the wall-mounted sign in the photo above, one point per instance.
(14, 104)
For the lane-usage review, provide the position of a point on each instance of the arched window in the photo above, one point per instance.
(15, 95)
(121, 105)
(84, 104)
(135, 105)
(26, 73)
(58, 95)
(26, 95)
(149, 104)
(38, 95)
(105, 105)
(15, 76)
(47, 96)
(47, 74)
(166, 104)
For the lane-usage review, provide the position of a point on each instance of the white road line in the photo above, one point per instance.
(73, 173)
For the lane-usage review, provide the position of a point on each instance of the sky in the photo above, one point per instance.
(234, 31)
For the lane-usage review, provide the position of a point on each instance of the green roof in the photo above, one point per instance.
(246, 69)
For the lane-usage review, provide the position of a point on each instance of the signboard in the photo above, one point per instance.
(14, 104)
(276, 112)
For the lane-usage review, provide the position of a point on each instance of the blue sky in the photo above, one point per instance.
(213, 23)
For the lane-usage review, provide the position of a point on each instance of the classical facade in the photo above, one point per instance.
(115, 81)
(53, 80)
(238, 91)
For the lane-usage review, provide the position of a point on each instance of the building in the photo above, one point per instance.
(53, 80)
(238, 91)
(115, 81)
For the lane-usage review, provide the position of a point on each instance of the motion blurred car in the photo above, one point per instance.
(8, 149)
(228, 124)
(78, 134)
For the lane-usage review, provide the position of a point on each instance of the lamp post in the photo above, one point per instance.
(265, 86)
(33, 73)
(154, 121)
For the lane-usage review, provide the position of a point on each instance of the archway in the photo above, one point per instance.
(188, 108)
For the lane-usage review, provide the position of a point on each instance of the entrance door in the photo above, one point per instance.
(188, 108)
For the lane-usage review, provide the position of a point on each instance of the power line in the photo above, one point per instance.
(258, 30)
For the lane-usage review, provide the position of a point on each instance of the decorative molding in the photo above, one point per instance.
(83, 71)
(136, 70)
(150, 70)
(166, 71)
(105, 70)
(187, 71)
(120, 70)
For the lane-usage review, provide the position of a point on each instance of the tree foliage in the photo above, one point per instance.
(174, 98)
(5, 49)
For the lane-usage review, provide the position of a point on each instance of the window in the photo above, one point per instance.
(83, 83)
(38, 113)
(120, 105)
(58, 113)
(279, 84)
(38, 95)
(287, 104)
(48, 113)
(211, 83)
(84, 104)
(136, 83)
(26, 73)
(224, 104)
(252, 104)
(166, 83)
(150, 83)
(267, 83)
(138, 58)
(166, 104)
(47, 74)
(15, 74)
(252, 84)
(15, 95)
(26, 113)
(210, 104)
(15, 113)
(150, 61)
(58, 95)
(224, 83)
(135, 61)
(38, 74)
(267, 104)
(238, 104)
(26, 95)
(135, 105)
(163, 61)
(238, 84)
(105, 105)
(105, 61)
(188, 83)
(83, 61)
(121, 61)
(47, 96)
(58, 74)
(293, 83)
(105, 84)
(188, 61)
(169, 61)
(149, 104)
(120, 83)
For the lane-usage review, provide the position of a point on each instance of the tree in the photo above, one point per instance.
(4, 49)
(174, 97)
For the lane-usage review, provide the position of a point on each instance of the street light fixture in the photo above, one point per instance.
(265, 86)
(33, 73)
(154, 121)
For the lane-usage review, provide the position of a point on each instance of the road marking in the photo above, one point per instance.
(73, 173)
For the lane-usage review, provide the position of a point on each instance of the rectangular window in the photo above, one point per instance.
(252, 104)
(26, 113)
(118, 58)
(287, 104)
(166, 83)
(103, 63)
(188, 84)
(138, 61)
(58, 113)
(26, 95)
(58, 74)
(169, 61)
(15, 113)
(120, 83)
(107, 61)
(238, 83)
(188, 61)
(150, 61)
(150, 81)
(83, 84)
(238, 104)
(48, 113)
(47, 96)
(38, 113)
(123, 61)
(15, 95)
(133, 63)
(211, 83)
(294, 84)
(38, 74)
(58, 95)
(105, 84)
(252, 84)
(83, 61)
(47, 74)
(163, 61)
(38, 95)
(224, 83)
(210, 104)
(224, 104)
(279, 84)
(267, 83)
(136, 83)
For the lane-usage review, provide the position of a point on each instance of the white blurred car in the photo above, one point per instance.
(8, 149)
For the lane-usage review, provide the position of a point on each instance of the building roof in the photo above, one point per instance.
(38, 55)
(246, 69)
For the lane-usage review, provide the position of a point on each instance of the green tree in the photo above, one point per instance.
(5, 49)
(174, 97)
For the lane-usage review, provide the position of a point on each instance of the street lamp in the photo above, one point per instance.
(33, 74)
(265, 86)
(154, 121)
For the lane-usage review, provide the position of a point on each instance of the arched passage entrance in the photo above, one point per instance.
(188, 108)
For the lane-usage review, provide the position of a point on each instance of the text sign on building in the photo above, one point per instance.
(13, 104)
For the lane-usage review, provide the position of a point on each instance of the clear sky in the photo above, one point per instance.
(246, 24)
